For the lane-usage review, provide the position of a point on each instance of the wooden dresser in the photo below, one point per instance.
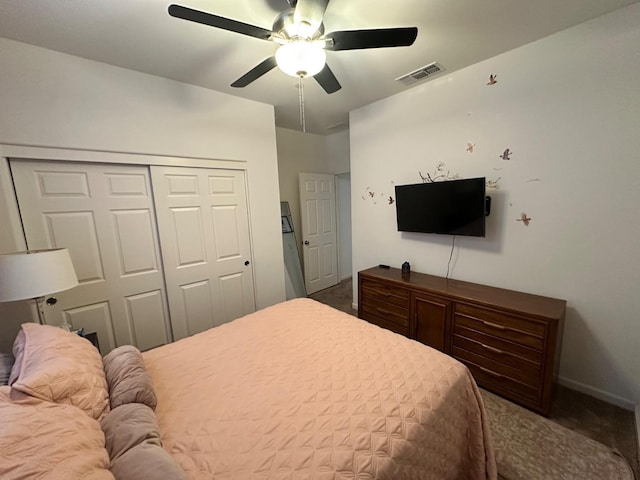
(509, 340)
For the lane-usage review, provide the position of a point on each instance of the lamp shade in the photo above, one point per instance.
(301, 58)
(35, 273)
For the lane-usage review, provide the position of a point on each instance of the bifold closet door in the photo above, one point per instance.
(206, 251)
(104, 215)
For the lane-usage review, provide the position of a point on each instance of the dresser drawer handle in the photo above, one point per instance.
(382, 310)
(492, 349)
(490, 372)
(392, 295)
(494, 325)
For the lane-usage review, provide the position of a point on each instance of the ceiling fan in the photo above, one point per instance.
(299, 32)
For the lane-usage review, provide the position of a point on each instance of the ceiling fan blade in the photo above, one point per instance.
(255, 73)
(224, 23)
(311, 12)
(374, 38)
(327, 80)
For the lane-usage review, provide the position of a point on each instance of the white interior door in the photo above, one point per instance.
(204, 233)
(104, 215)
(318, 215)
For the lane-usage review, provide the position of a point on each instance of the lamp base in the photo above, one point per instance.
(40, 310)
(66, 326)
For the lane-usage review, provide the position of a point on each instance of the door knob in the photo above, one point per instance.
(306, 242)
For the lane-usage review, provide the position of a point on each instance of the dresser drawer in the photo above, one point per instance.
(498, 324)
(386, 302)
(517, 370)
(374, 291)
(494, 347)
(502, 385)
(385, 323)
(387, 311)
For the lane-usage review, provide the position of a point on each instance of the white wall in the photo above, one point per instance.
(568, 107)
(338, 155)
(300, 152)
(339, 162)
(343, 206)
(56, 100)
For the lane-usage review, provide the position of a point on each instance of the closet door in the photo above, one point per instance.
(104, 215)
(204, 235)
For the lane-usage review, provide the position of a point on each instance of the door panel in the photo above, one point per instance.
(432, 321)
(62, 184)
(197, 304)
(135, 240)
(328, 215)
(77, 232)
(148, 303)
(204, 232)
(312, 264)
(317, 200)
(233, 292)
(328, 256)
(127, 184)
(312, 215)
(104, 215)
(227, 240)
(189, 236)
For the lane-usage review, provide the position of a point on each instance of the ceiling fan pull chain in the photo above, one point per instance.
(301, 102)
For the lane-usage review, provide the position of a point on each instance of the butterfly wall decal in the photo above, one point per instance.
(524, 219)
(506, 155)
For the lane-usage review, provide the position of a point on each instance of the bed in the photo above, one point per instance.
(298, 390)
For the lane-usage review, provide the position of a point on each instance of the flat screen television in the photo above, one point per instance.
(452, 207)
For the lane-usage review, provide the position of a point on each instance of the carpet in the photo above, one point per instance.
(531, 447)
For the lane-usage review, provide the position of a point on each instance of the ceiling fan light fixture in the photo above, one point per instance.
(301, 58)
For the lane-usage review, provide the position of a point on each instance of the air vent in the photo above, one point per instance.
(420, 74)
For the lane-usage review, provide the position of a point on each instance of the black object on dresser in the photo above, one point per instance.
(509, 340)
(92, 337)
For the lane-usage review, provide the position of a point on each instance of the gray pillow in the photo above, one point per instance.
(132, 439)
(129, 425)
(145, 462)
(128, 379)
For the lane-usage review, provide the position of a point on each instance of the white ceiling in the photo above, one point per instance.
(140, 35)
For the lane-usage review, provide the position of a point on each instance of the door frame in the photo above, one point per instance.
(339, 216)
(13, 231)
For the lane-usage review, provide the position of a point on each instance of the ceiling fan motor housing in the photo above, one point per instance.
(285, 27)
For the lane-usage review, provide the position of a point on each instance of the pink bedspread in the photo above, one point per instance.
(302, 391)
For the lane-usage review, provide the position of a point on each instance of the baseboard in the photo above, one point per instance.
(600, 395)
(345, 277)
(638, 426)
